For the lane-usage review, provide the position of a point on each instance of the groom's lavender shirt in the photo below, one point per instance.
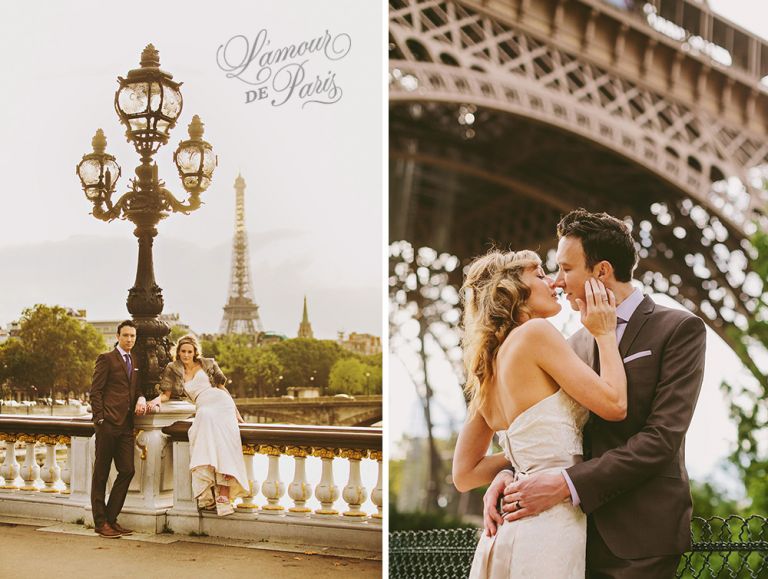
(624, 311)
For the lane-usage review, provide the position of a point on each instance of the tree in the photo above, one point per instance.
(424, 319)
(54, 352)
(235, 354)
(177, 332)
(266, 373)
(749, 404)
(352, 376)
(307, 362)
(253, 369)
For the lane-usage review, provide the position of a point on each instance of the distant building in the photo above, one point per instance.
(364, 344)
(304, 391)
(305, 328)
(13, 329)
(267, 338)
(108, 328)
(4, 335)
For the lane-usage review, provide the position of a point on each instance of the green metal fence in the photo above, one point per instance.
(733, 547)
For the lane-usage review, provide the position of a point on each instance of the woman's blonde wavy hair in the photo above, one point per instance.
(494, 298)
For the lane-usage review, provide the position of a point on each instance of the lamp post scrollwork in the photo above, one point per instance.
(149, 103)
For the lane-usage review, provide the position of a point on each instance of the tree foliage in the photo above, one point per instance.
(54, 351)
(308, 362)
(269, 370)
(749, 404)
(353, 376)
(424, 318)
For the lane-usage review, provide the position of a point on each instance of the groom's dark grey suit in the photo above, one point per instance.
(633, 483)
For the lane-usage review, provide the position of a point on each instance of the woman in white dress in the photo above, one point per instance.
(526, 385)
(216, 456)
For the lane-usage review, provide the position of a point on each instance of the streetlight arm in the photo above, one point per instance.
(112, 211)
(170, 202)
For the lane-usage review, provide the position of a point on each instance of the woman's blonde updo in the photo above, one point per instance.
(494, 298)
(189, 339)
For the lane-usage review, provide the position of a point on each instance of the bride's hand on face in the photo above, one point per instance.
(598, 310)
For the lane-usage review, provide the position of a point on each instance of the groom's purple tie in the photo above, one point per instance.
(128, 363)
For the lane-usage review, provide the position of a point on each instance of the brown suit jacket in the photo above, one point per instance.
(633, 481)
(113, 392)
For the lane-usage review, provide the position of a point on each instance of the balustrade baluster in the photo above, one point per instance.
(299, 490)
(50, 471)
(354, 493)
(66, 468)
(248, 505)
(10, 469)
(326, 492)
(377, 495)
(273, 488)
(30, 472)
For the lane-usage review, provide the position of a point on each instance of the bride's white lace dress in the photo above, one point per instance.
(545, 438)
(214, 442)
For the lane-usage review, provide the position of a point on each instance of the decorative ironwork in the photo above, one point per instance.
(722, 547)
(498, 128)
(148, 103)
(449, 51)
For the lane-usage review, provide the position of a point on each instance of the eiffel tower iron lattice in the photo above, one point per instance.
(241, 314)
(504, 115)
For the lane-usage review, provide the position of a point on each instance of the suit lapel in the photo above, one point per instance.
(125, 366)
(120, 360)
(635, 324)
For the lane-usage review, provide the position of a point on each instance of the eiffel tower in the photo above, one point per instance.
(241, 314)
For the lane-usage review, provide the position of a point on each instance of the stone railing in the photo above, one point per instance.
(292, 444)
(324, 501)
(32, 434)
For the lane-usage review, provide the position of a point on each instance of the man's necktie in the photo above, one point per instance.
(128, 363)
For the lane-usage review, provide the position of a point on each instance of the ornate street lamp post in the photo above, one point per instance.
(148, 103)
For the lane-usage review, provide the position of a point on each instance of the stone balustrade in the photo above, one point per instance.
(307, 485)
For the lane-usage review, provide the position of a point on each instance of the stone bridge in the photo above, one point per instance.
(505, 114)
(326, 410)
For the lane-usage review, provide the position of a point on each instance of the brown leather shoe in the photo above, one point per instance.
(120, 529)
(108, 532)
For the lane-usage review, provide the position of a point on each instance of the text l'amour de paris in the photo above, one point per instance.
(287, 73)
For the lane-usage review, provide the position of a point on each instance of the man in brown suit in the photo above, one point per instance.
(114, 398)
(633, 484)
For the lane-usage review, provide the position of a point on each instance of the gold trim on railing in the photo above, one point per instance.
(325, 452)
(141, 447)
(298, 451)
(9, 436)
(62, 439)
(271, 450)
(353, 454)
(249, 449)
(47, 439)
(375, 455)
(26, 438)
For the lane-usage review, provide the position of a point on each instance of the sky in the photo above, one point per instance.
(712, 434)
(313, 171)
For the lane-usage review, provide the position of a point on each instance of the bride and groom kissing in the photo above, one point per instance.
(592, 478)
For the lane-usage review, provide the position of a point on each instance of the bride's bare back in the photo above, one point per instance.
(518, 383)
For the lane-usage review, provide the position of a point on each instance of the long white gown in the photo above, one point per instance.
(547, 437)
(214, 442)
